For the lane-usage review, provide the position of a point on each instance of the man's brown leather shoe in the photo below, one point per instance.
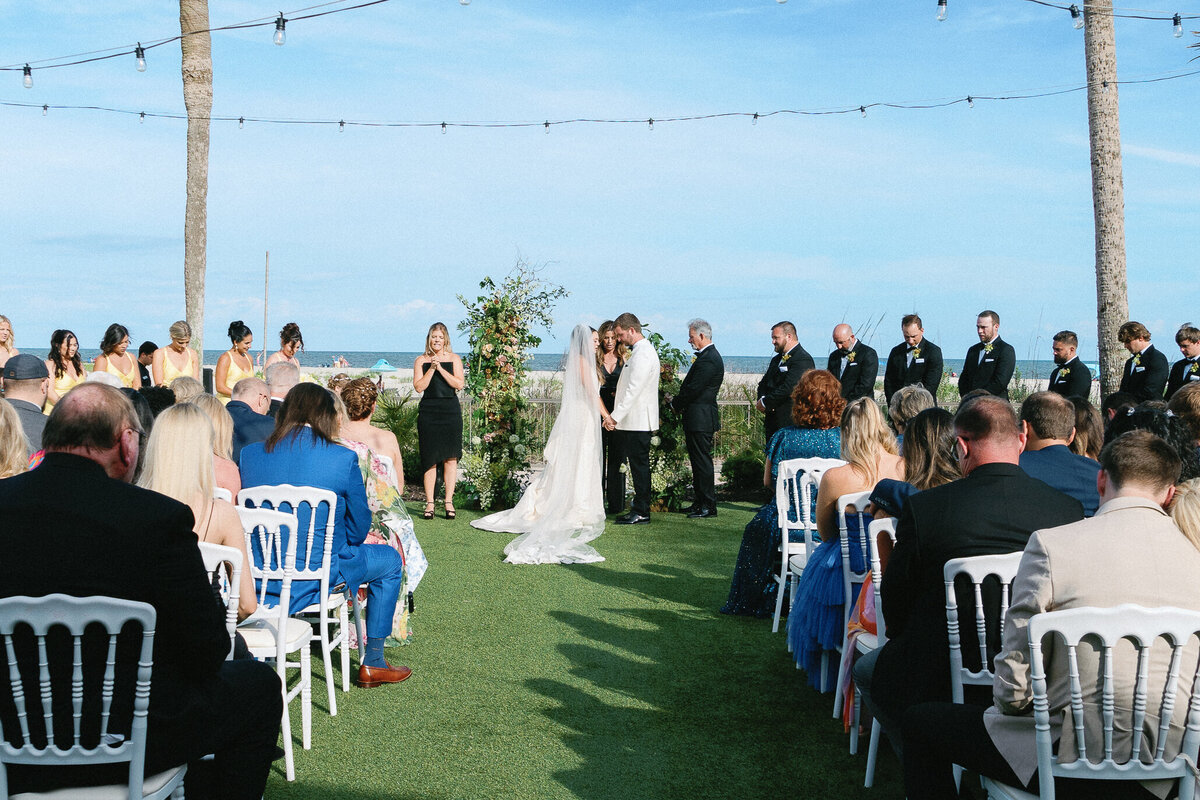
(374, 676)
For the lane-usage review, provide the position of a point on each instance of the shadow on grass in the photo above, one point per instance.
(668, 582)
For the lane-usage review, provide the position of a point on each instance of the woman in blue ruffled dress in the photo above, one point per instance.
(817, 619)
(817, 405)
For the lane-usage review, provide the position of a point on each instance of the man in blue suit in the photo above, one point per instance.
(249, 411)
(1048, 420)
(302, 452)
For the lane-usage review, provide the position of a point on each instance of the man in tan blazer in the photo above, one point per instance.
(1130, 552)
(635, 413)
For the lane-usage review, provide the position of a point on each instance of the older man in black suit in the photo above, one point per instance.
(1187, 369)
(1146, 370)
(118, 540)
(993, 509)
(697, 402)
(1070, 378)
(915, 362)
(990, 364)
(775, 389)
(251, 400)
(855, 363)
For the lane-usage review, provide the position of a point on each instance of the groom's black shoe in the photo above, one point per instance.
(692, 509)
(703, 513)
(633, 518)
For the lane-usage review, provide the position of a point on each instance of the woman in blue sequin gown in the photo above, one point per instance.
(816, 408)
(817, 621)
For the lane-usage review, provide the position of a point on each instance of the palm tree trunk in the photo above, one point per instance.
(197, 99)
(1108, 192)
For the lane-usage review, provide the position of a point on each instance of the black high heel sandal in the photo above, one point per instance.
(428, 511)
(449, 511)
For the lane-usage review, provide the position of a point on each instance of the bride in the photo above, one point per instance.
(563, 509)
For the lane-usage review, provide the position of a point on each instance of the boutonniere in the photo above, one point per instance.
(1194, 368)
(850, 357)
(987, 348)
(916, 352)
(1064, 372)
(1137, 360)
(694, 357)
(785, 358)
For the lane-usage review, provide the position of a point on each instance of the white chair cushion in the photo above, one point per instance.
(866, 642)
(260, 635)
(336, 600)
(150, 785)
(796, 563)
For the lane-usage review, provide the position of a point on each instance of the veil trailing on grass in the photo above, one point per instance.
(563, 508)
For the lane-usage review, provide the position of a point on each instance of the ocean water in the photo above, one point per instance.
(550, 362)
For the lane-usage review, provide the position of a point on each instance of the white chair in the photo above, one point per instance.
(1154, 693)
(850, 577)
(224, 567)
(271, 634)
(795, 485)
(36, 616)
(976, 569)
(222, 494)
(865, 643)
(332, 618)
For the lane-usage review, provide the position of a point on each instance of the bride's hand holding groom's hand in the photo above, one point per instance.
(609, 423)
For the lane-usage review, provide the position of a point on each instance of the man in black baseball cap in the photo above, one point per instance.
(26, 382)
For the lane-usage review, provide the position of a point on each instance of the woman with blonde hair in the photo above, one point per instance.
(816, 622)
(7, 348)
(185, 388)
(179, 464)
(1185, 510)
(176, 359)
(437, 376)
(225, 470)
(14, 447)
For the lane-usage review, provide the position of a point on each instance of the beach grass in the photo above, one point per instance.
(609, 680)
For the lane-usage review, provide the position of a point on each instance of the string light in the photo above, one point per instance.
(1177, 21)
(941, 15)
(143, 117)
(863, 110)
(45, 110)
(341, 126)
(444, 128)
(1076, 17)
(280, 30)
(754, 119)
(464, 2)
(241, 123)
(139, 53)
(651, 120)
(27, 80)
(1130, 13)
(546, 123)
(970, 101)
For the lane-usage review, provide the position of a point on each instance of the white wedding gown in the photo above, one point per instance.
(563, 508)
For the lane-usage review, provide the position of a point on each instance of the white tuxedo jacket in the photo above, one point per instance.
(636, 406)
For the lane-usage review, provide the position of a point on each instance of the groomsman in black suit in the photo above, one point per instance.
(990, 364)
(1187, 369)
(855, 364)
(697, 402)
(775, 389)
(1145, 374)
(1070, 378)
(917, 362)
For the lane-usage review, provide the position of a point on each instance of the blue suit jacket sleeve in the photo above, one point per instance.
(358, 513)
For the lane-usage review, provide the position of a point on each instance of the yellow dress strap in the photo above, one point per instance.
(171, 372)
(234, 374)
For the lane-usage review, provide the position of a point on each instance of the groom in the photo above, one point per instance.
(635, 414)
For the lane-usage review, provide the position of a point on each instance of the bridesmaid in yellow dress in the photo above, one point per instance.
(176, 358)
(290, 341)
(64, 365)
(235, 363)
(7, 349)
(114, 358)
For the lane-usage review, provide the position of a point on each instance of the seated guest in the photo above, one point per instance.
(145, 359)
(1168, 427)
(993, 509)
(335, 383)
(26, 381)
(1130, 552)
(160, 398)
(185, 388)
(302, 451)
(906, 403)
(225, 469)
(107, 378)
(1089, 429)
(14, 458)
(816, 406)
(1115, 402)
(248, 409)
(1048, 422)
(854, 362)
(179, 464)
(126, 542)
(817, 620)
(281, 377)
(1185, 404)
(1187, 369)
(1145, 373)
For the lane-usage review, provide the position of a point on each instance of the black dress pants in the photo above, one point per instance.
(614, 479)
(634, 447)
(699, 448)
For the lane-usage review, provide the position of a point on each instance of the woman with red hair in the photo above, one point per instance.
(817, 405)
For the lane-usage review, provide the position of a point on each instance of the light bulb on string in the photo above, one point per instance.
(142, 118)
(241, 123)
(651, 121)
(27, 81)
(280, 30)
(970, 101)
(754, 119)
(45, 109)
(1104, 86)
(341, 126)
(443, 129)
(941, 15)
(464, 2)
(781, 2)
(139, 53)
(863, 110)
(1177, 21)
(1076, 16)
(547, 125)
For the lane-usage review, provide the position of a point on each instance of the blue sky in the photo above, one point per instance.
(374, 231)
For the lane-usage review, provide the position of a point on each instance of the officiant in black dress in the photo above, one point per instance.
(697, 402)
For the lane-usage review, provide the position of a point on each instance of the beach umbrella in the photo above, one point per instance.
(382, 366)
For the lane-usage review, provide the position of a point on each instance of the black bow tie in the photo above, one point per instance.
(910, 348)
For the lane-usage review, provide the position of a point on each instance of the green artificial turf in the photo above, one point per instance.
(610, 680)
